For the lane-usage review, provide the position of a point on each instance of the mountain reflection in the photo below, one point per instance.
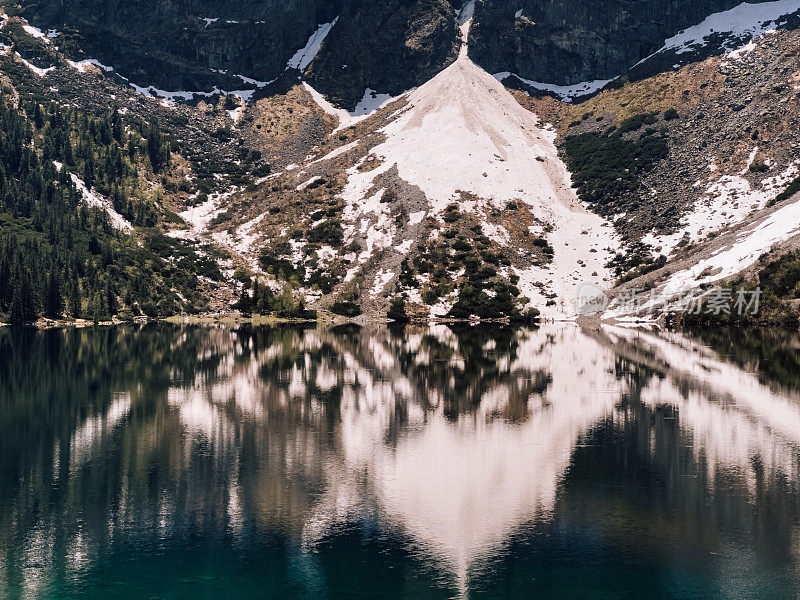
(455, 441)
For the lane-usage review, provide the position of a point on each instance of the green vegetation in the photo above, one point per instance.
(328, 232)
(636, 122)
(346, 309)
(257, 298)
(781, 278)
(643, 266)
(779, 282)
(792, 189)
(30, 48)
(464, 261)
(397, 310)
(607, 167)
(58, 255)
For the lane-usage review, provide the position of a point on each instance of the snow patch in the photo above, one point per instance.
(738, 54)
(743, 21)
(371, 103)
(236, 114)
(305, 55)
(382, 279)
(96, 200)
(339, 151)
(754, 241)
(567, 93)
(200, 216)
(520, 14)
(84, 65)
(38, 71)
(306, 184)
(36, 32)
(727, 201)
(464, 132)
(467, 12)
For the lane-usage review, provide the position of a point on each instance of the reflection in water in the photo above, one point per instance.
(432, 462)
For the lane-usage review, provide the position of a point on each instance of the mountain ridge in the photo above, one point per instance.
(387, 46)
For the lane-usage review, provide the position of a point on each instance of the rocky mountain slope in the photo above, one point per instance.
(195, 45)
(462, 197)
(462, 225)
(182, 45)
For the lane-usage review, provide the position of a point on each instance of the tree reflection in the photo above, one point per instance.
(453, 439)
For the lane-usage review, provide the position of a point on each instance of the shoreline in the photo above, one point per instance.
(234, 318)
(331, 320)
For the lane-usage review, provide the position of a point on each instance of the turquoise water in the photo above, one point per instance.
(217, 462)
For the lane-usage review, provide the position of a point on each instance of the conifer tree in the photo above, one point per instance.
(54, 300)
(24, 303)
(397, 310)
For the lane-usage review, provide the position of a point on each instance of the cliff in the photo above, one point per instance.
(570, 41)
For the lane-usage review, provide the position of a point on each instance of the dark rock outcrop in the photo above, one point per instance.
(569, 41)
(181, 44)
(386, 45)
(389, 45)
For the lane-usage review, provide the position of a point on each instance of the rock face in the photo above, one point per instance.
(389, 45)
(570, 41)
(386, 45)
(174, 44)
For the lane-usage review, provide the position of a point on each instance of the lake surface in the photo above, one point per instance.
(215, 462)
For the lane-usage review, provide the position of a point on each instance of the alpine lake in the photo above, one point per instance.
(169, 461)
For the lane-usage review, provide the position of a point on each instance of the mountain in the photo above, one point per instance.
(388, 46)
(571, 41)
(474, 205)
(487, 160)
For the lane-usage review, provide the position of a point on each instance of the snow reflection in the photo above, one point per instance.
(451, 439)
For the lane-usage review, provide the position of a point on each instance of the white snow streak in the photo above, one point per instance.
(754, 241)
(467, 12)
(84, 65)
(567, 93)
(727, 202)
(743, 21)
(305, 55)
(94, 199)
(38, 71)
(369, 105)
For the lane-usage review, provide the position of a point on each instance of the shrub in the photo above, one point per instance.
(346, 309)
(637, 122)
(329, 232)
(606, 166)
(792, 189)
(397, 310)
(461, 245)
(452, 214)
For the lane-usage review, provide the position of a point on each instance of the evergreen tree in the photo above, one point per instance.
(75, 308)
(99, 307)
(53, 300)
(245, 303)
(157, 148)
(24, 303)
(397, 310)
